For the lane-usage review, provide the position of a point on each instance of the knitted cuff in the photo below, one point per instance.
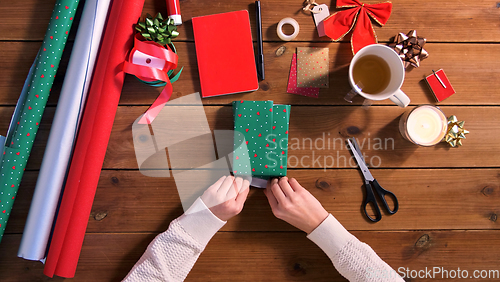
(330, 236)
(200, 222)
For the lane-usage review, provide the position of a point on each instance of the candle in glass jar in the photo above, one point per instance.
(425, 125)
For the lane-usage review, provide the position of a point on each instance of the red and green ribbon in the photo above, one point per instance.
(154, 76)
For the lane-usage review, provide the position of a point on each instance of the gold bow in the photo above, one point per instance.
(456, 132)
(309, 5)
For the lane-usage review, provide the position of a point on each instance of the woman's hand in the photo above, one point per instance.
(225, 198)
(294, 204)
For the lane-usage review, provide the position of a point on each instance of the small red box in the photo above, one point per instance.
(440, 92)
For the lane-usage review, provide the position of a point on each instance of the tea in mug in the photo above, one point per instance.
(372, 74)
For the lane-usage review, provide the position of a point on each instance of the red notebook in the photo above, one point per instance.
(224, 49)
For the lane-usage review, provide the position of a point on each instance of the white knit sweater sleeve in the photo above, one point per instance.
(352, 258)
(172, 254)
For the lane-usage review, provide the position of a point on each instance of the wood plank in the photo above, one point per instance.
(151, 203)
(270, 256)
(376, 128)
(127, 201)
(474, 76)
(471, 22)
(25, 20)
(378, 125)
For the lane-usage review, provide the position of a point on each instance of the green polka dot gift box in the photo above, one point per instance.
(260, 138)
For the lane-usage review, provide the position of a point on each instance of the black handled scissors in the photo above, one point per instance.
(371, 184)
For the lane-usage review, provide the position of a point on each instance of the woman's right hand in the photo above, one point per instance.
(226, 197)
(294, 204)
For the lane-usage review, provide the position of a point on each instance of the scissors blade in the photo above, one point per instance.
(361, 161)
(356, 146)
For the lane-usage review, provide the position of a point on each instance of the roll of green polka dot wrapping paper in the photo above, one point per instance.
(24, 128)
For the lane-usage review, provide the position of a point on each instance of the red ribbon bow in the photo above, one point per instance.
(147, 73)
(341, 23)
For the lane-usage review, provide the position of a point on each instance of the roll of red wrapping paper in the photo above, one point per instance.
(92, 141)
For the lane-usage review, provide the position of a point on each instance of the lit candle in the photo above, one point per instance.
(424, 125)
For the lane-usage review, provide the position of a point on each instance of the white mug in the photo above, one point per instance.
(393, 89)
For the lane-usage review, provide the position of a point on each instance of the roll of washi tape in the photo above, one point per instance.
(291, 22)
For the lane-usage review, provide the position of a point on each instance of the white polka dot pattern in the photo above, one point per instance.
(292, 82)
(264, 129)
(312, 67)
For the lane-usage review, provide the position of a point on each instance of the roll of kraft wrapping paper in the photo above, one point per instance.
(22, 134)
(63, 131)
(92, 140)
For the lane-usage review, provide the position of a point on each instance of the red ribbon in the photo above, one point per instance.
(146, 73)
(358, 18)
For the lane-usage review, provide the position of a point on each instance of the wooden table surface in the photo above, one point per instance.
(449, 197)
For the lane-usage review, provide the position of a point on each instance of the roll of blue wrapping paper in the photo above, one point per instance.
(20, 141)
(63, 131)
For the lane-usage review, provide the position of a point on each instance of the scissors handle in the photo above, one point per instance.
(370, 198)
(382, 193)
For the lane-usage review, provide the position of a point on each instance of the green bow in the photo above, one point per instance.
(157, 29)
